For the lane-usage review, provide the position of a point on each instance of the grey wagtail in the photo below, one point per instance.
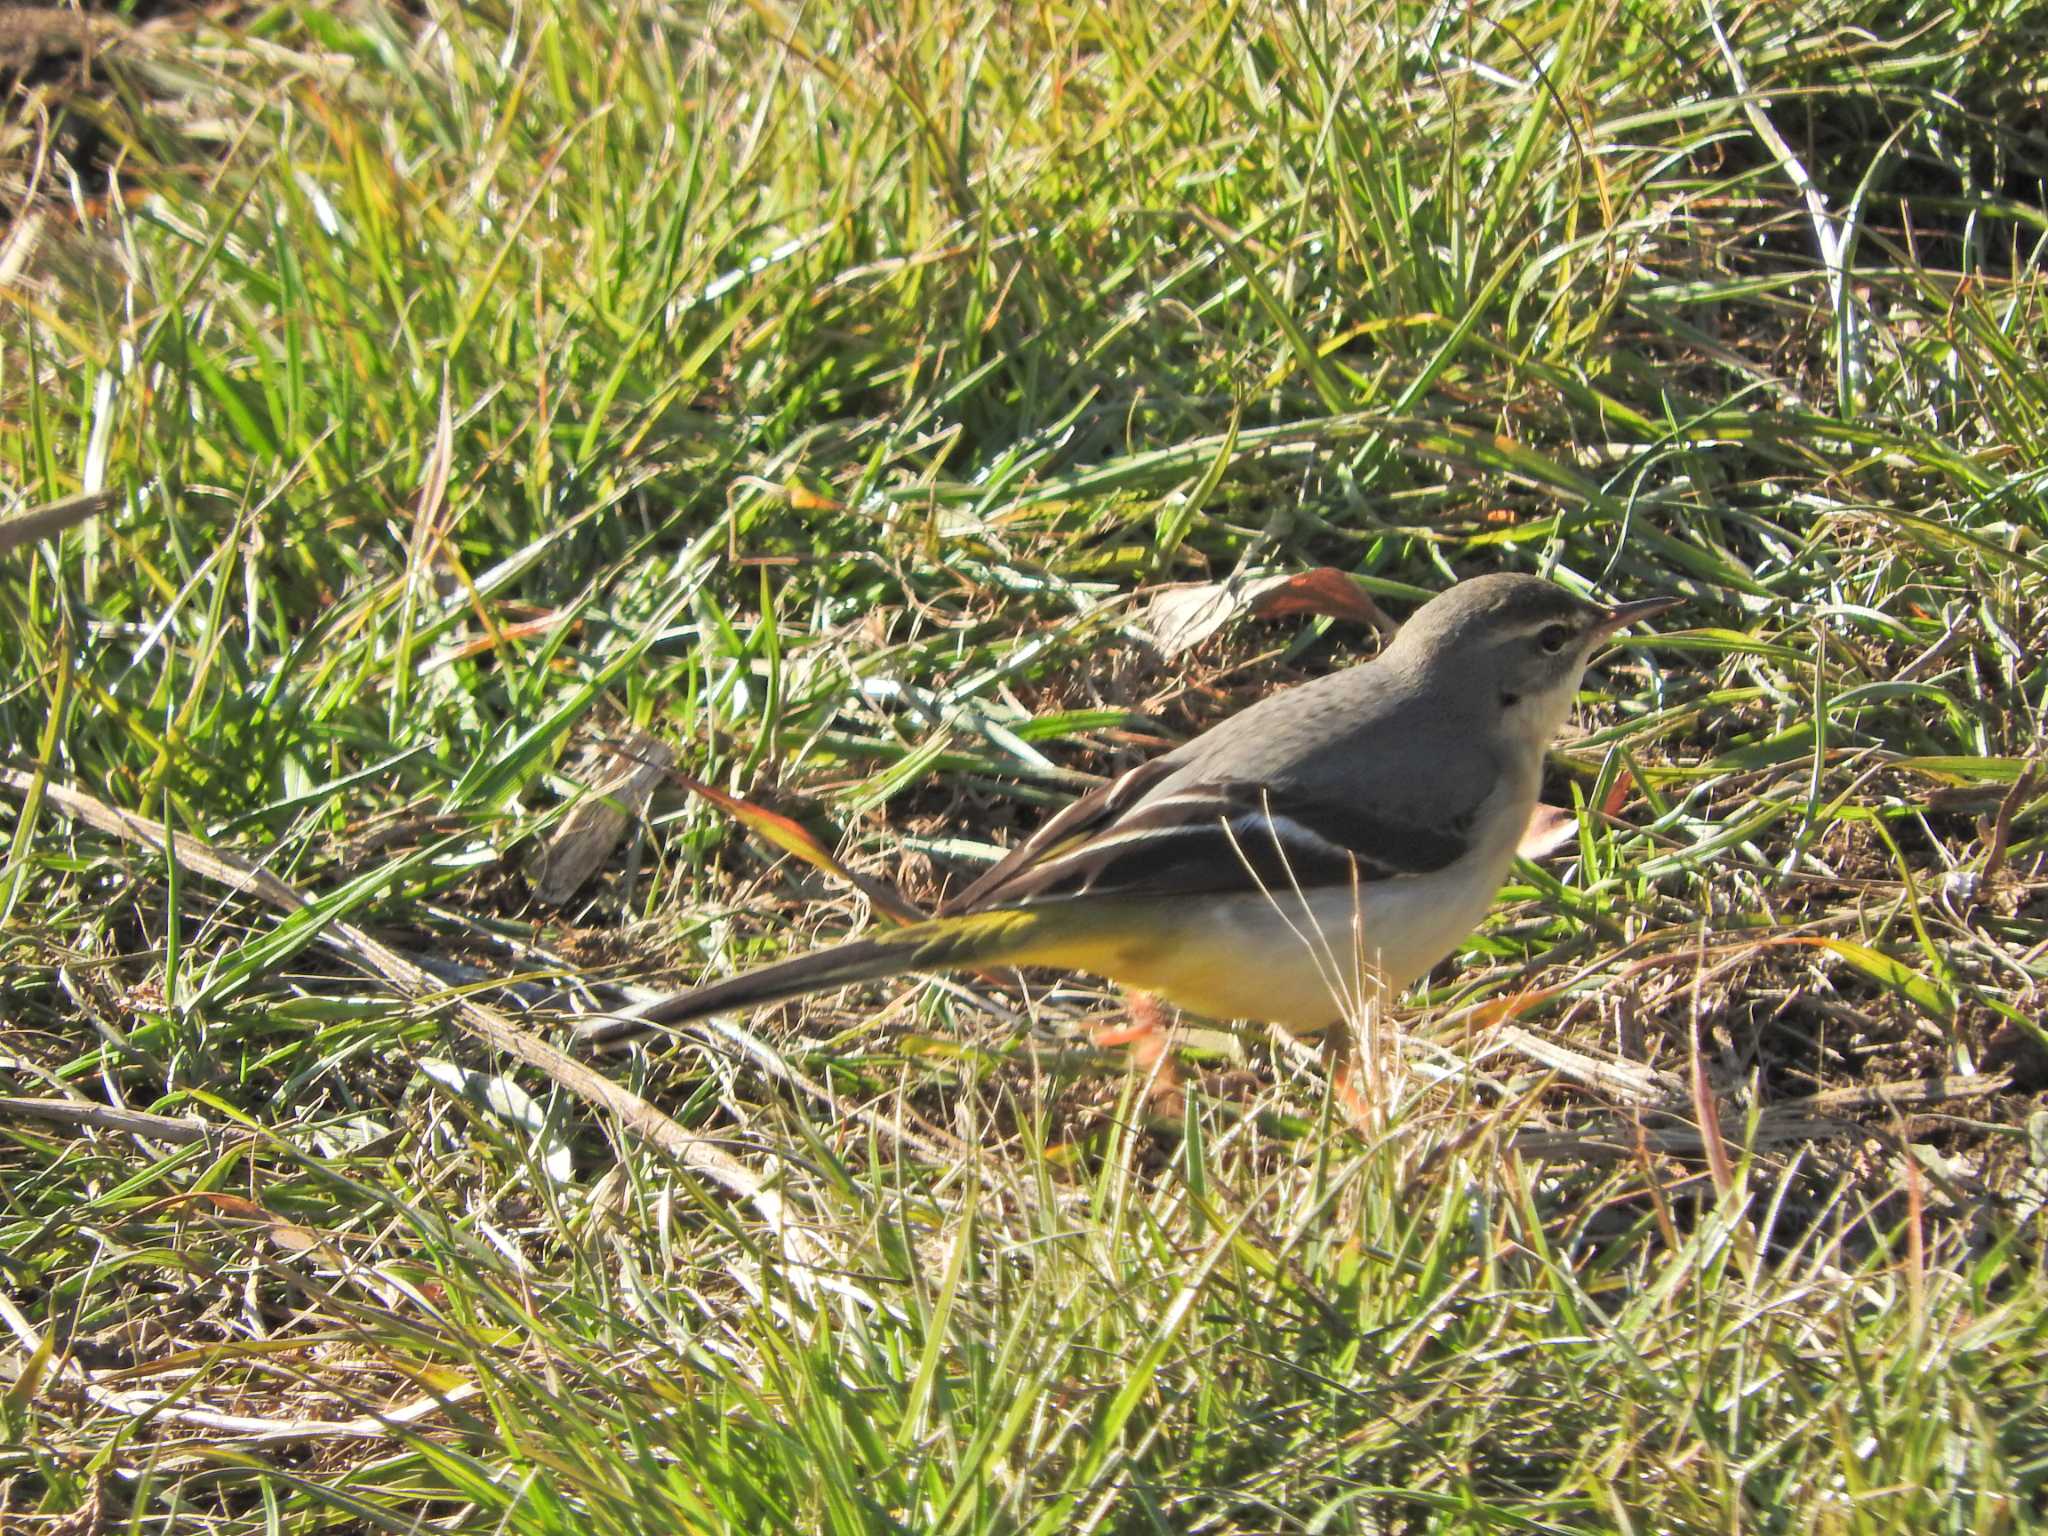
(1331, 842)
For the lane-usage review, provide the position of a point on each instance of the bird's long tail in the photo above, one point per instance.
(1009, 936)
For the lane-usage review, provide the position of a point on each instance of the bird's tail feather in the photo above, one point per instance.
(1010, 936)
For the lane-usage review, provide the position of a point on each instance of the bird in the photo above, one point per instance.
(1326, 845)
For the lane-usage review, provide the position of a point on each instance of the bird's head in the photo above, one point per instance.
(1514, 643)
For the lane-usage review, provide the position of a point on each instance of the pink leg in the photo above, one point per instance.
(1149, 1037)
(1340, 1051)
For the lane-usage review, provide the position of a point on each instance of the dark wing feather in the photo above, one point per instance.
(1216, 838)
(1091, 813)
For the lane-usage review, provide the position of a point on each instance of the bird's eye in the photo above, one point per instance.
(1554, 637)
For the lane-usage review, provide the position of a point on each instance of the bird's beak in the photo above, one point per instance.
(1622, 615)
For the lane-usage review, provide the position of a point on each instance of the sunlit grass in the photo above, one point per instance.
(821, 390)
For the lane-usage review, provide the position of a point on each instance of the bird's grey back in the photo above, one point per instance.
(1372, 736)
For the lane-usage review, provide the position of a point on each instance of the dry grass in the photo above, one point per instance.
(822, 394)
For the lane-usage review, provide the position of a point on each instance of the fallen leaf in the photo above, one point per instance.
(793, 838)
(512, 1106)
(290, 1237)
(586, 836)
(803, 499)
(1322, 591)
(1550, 828)
(1500, 1010)
(1182, 617)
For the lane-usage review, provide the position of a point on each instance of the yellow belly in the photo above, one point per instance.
(1300, 962)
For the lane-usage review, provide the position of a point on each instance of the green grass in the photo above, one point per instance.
(821, 389)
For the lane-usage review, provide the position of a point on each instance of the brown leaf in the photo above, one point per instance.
(794, 838)
(585, 838)
(803, 499)
(1322, 591)
(290, 1237)
(1182, 617)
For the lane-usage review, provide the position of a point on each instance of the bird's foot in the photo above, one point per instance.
(1148, 1035)
(1340, 1052)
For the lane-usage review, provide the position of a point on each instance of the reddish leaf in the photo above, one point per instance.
(1500, 1010)
(1323, 591)
(793, 838)
(803, 499)
(1617, 797)
(1182, 617)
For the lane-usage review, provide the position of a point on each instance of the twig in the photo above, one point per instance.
(1627, 1080)
(1912, 1093)
(2001, 826)
(25, 527)
(619, 791)
(697, 1153)
(1833, 236)
(1813, 1117)
(161, 1407)
(1924, 662)
(182, 1130)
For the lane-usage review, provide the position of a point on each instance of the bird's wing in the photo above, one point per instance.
(1214, 838)
(1092, 813)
